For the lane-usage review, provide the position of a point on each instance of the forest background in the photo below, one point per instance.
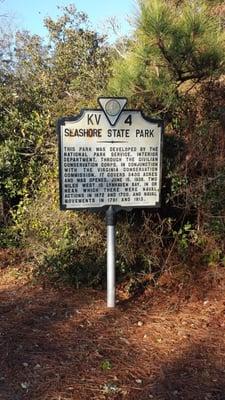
(172, 67)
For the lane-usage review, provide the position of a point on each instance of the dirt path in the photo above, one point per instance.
(64, 345)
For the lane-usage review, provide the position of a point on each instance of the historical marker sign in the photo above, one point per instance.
(109, 157)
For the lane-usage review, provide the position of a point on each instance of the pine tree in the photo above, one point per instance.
(176, 46)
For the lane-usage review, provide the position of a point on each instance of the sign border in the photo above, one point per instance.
(61, 121)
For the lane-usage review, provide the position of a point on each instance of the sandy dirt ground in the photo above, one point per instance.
(63, 344)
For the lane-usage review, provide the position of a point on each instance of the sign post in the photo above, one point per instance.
(110, 159)
(111, 257)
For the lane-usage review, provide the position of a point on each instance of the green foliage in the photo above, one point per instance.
(8, 238)
(185, 236)
(214, 257)
(214, 198)
(106, 365)
(80, 59)
(41, 83)
(172, 46)
(63, 246)
(172, 67)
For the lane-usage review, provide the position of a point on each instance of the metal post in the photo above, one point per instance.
(111, 256)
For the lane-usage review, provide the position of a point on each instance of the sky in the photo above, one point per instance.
(29, 14)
